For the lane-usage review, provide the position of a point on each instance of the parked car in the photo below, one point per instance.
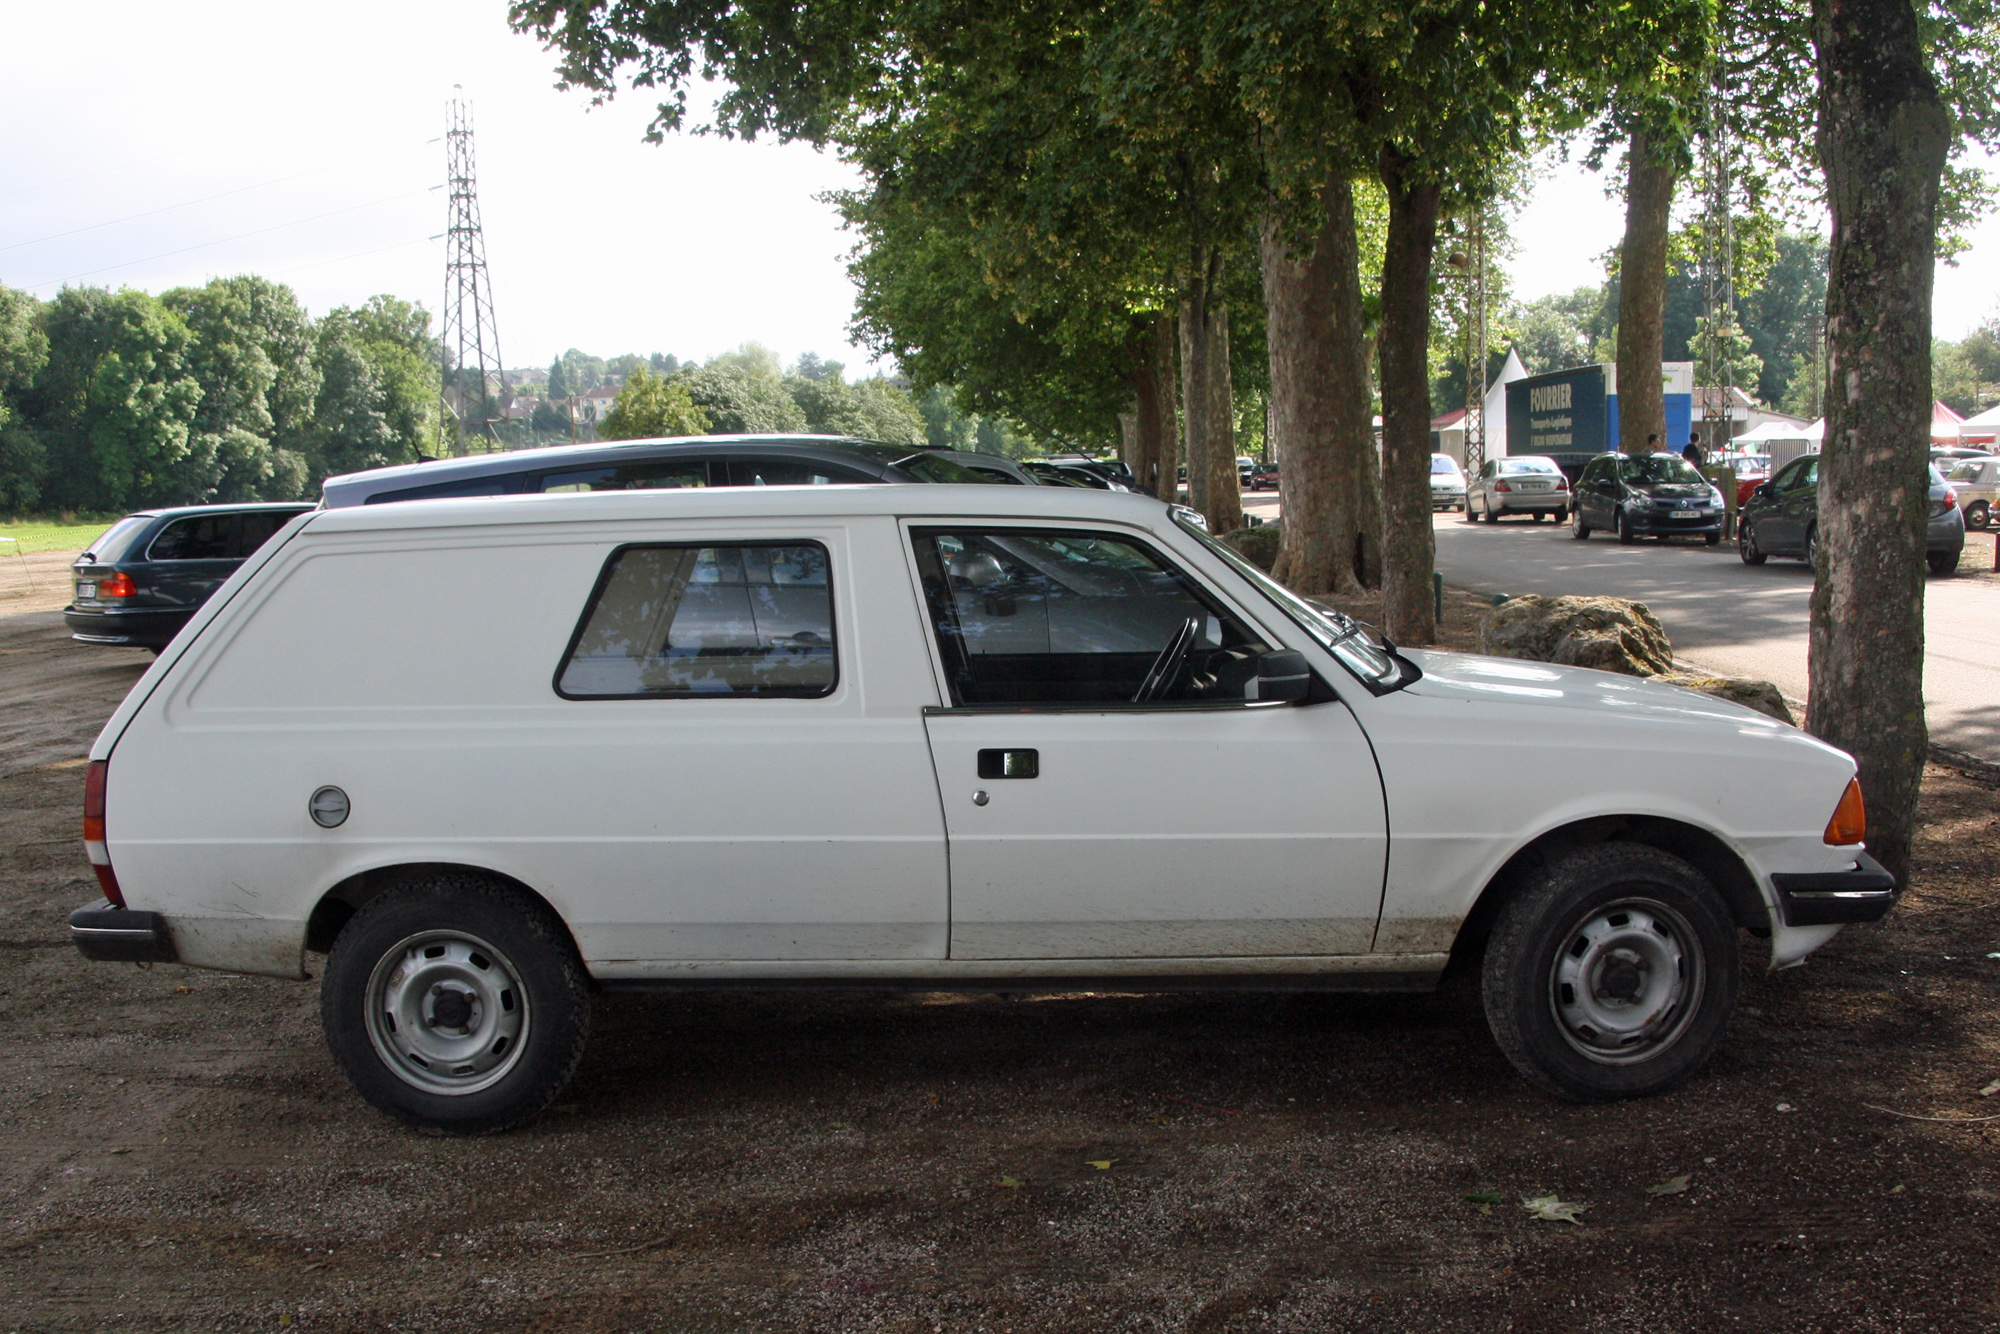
(1246, 471)
(1265, 477)
(1977, 482)
(1447, 483)
(1750, 470)
(642, 465)
(991, 467)
(1072, 474)
(1945, 455)
(488, 756)
(1635, 495)
(1527, 484)
(1782, 519)
(147, 574)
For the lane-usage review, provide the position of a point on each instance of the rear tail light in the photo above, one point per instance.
(93, 830)
(117, 586)
(1562, 483)
(1849, 824)
(1502, 486)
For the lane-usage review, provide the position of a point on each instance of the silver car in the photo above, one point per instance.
(1528, 484)
(1977, 482)
(1447, 483)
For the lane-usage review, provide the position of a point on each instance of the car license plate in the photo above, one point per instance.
(1687, 514)
(86, 590)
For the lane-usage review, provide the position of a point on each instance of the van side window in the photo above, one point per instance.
(659, 475)
(1030, 616)
(696, 621)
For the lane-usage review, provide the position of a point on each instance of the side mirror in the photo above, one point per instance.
(1763, 489)
(1283, 675)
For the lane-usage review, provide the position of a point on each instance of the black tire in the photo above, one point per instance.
(522, 1003)
(1811, 552)
(1746, 544)
(1578, 529)
(1944, 564)
(1493, 515)
(1561, 515)
(1534, 516)
(1977, 515)
(1470, 517)
(1626, 536)
(1630, 919)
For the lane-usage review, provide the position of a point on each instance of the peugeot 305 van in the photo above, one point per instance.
(491, 756)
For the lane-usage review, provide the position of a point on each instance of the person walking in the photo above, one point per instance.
(1693, 453)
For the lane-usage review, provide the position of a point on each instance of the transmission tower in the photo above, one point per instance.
(471, 382)
(1474, 423)
(1717, 372)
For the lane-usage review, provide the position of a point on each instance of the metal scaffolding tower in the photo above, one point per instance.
(1474, 424)
(471, 383)
(1716, 375)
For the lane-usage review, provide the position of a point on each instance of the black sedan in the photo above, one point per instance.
(148, 574)
(1782, 519)
(1634, 495)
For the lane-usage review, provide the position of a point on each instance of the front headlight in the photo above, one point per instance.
(1715, 495)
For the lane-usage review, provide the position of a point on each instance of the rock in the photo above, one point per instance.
(1751, 694)
(1257, 545)
(1610, 634)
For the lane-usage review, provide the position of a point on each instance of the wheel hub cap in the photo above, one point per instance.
(447, 1012)
(1627, 981)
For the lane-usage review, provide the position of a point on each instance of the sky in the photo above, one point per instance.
(172, 144)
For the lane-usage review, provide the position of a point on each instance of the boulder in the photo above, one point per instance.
(1750, 693)
(1610, 634)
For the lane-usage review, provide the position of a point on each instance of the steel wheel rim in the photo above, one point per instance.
(446, 1012)
(1746, 543)
(1627, 981)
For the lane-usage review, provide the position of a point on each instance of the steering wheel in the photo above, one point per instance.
(1168, 665)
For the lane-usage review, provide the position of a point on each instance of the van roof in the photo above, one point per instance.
(747, 502)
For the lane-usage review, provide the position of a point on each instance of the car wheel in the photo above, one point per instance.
(1470, 515)
(455, 1004)
(1625, 533)
(1493, 515)
(1812, 549)
(1746, 543)
(1977, 514)
(1578, 529)
(1560, 515)
(1611, 973)
(1943, 564)
(1534, 516)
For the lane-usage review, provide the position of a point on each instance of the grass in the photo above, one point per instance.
(31, 535)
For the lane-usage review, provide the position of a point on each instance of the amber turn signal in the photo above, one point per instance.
(1849, 824)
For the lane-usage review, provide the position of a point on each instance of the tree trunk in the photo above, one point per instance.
(1195, 418)
(1208, 400)
(1409, 550)
(1883, 137)
(1329, 484)
(1650, 175)
(1151, 378)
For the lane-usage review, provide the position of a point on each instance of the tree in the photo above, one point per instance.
(559, 387)
(393, 337)
(739, 404)
(24, 350)
(649, 406)
(251, 354)
(1884, 138)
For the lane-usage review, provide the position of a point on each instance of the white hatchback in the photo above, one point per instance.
(487, 755)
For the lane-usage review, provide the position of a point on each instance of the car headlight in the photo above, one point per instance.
(1714, 495)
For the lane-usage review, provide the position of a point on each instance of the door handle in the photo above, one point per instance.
(1010, 764)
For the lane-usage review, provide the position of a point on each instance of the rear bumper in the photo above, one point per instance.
(141, 627)
(1833, 897)
(120, 935)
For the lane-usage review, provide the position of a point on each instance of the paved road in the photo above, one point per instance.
(1744, 620)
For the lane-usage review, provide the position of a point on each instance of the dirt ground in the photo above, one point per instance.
(180, 1154)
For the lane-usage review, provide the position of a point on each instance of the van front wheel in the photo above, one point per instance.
(455, 1004)
(1611, 973)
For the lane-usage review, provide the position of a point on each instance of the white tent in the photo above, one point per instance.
(1496, 404)
(1983, 429)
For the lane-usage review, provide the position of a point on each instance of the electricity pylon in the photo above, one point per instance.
(471, 384)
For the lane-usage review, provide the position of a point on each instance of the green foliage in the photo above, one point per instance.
(398, 388)
(1966, 374)
(648, 406)
(24, 350)
(1725, 340)
(742, 404)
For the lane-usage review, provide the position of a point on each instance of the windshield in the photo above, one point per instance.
(1440, 464)
(1528, 465)
(930, 468)
(1655, 468)
(1338, 634)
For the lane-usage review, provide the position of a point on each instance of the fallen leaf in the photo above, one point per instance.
(1671, 1186)
(1786, 1107)
(1897, 1190)
(184, 991)
(1990, 1089)
(1549, 1209)
(1101, 1164)
(1486, 1197)
(1011, 1183)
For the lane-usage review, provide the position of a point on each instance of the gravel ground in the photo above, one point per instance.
(179, 1153)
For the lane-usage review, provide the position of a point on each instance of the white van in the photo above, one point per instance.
(490, 755)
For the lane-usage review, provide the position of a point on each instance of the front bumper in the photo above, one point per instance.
(1447, 500)
(1654, 521)
(1830, 898)
(120, 935)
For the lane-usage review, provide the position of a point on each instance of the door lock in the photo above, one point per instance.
(1010, 764)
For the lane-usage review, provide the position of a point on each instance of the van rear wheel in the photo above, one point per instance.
(1611, 973)
(455, 1004)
